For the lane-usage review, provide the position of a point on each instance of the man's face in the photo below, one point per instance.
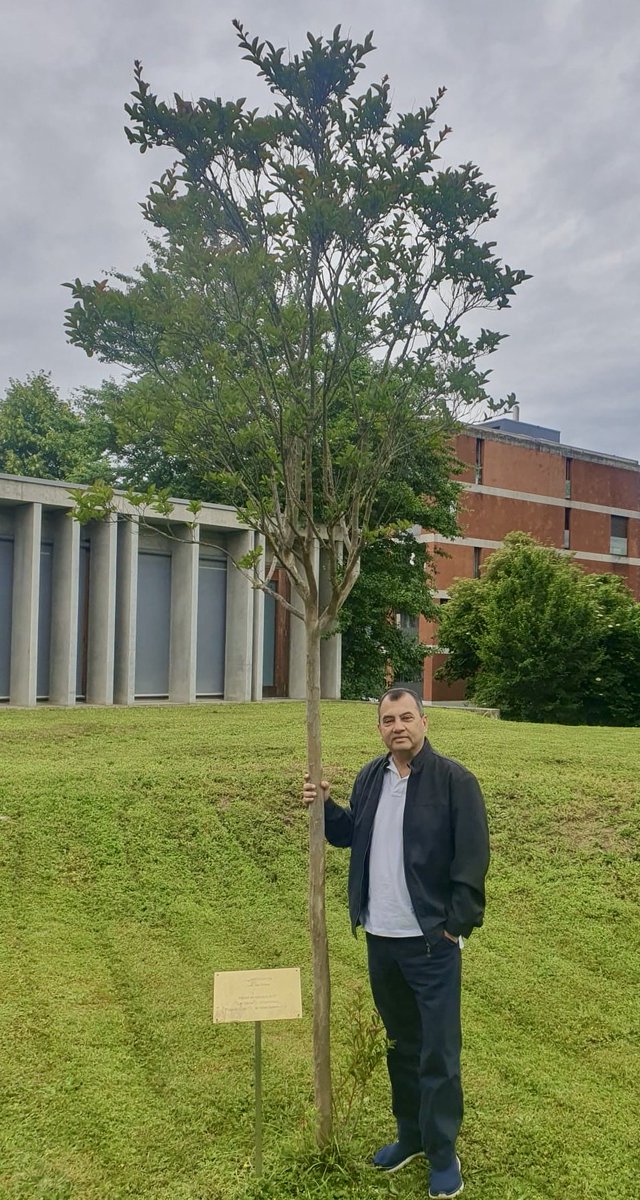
(401, 726)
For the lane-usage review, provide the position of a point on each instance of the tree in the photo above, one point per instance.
(461, 626)
(613, 697)
(542, 640)
(300, 315)
(46, 437)
(143, 451)
(397, 573)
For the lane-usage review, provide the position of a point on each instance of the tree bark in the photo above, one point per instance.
(317, 918)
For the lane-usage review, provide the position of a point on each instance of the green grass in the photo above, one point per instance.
(140, 850)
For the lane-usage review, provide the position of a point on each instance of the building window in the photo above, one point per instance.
(408, 624)
(566, 541)
(476, 562)
(619, 534)
(479, 458)
(567, 478)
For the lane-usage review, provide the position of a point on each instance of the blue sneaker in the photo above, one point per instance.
(447, 1183)
(396, 1155)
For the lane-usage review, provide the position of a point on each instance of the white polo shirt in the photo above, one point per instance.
(389, 911)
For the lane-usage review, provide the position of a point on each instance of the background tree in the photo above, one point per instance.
(301, 315)
(461, 627)
(142, 445)
(542, 640)
(397, 573)
(613, 697)
(46, 437)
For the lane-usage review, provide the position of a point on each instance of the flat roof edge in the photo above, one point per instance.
(28, 482)
(498, 435)
(68, 487)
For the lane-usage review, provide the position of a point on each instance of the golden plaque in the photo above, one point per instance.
(257, 995)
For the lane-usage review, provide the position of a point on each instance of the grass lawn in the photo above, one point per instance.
(140, 850)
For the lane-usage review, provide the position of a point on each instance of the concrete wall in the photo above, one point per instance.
(32, 510)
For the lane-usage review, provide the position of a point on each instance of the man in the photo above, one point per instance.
(417, 828)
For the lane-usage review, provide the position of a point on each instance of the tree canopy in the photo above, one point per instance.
(309, 275)
(542, 640)
(46, 437)
(397, 574)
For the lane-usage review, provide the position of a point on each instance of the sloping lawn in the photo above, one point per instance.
(140, 850)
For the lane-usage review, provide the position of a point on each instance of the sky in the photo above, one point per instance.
(543, 95)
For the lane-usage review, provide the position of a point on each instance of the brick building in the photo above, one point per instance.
(520, 476)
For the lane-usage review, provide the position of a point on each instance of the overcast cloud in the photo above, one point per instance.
(542, 94)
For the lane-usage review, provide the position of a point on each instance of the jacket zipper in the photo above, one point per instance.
(364, 861)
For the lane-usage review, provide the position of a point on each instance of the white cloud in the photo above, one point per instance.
(542, 96)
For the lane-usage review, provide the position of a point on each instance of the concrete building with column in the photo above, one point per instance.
(126, 610)
(522, 476)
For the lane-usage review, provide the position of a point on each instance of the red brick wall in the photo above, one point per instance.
(633, 579)
(596, 483)
(439, 689)
(427, 631)
(465, 448)
(591, 531)
(523, 470)
(458, 564)
(519, 469)
(492, 517)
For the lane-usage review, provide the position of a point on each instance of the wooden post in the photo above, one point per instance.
(258, 1083)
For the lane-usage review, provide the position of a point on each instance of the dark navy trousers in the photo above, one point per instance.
(416, 989)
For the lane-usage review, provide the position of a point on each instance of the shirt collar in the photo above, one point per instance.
(393, 770)
(416, 763)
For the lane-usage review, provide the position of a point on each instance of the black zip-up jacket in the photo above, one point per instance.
(445, 836)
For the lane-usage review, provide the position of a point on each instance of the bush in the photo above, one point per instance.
(538, 638)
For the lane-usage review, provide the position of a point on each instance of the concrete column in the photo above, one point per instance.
(184, 616)
(238, 674)
(297, 652)
(330, 647)
(25, 604)
(298, 641)
(64, 609)
(124, 675)
(258, 625)
(102, 611)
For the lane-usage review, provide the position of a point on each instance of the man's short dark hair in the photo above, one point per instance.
(396, 693)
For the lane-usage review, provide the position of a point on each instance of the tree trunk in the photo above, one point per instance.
(317, 919)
